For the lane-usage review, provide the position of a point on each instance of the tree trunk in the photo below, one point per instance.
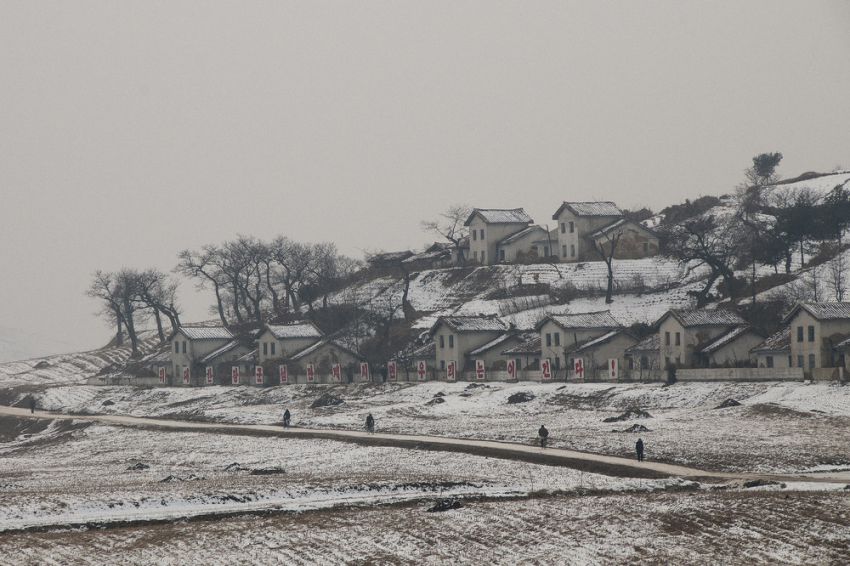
(159, 330)
(131, 329)
(119, 332)
(219, 303)
(609, 293)
(236, 310)
(789, 257)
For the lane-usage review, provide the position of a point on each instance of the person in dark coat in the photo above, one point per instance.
(32, 405)
(286, 417)
(370, 423)
(639, 449)
(544, 435)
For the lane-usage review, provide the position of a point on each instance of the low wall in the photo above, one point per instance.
(740, 374)
(828, 374)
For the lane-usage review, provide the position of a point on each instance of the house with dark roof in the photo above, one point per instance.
(490, 226)
(323, 355)
(684, 334)
(456, 336)
(642, 359)
(278, 341)
(531, 243)
(584, 225)
(774, 351)
(818, 332)
(730, 349)
(561, 334)
(526, 354)
(596, 353)
(491, 352)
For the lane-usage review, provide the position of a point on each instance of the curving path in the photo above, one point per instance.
(586, 461)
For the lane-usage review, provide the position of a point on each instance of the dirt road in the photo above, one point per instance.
(597, 463)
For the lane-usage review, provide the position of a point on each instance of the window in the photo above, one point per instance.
(501, 255)
(572, 227)
(811, 361)
(184, 346)
(442, 362)
(548, 339)
(265, 348)
(442, 341)
(572, 250)
(176, 347)
(678, 338)
(666, 338)
(811, 334)
(644, 362)
(800, 362)
(557, 362)
(481, 234)
(564, 250)
(769, 361)
(475, 235)
(631, 363)
(451, 340)
(483, 255)
(272, 347)
(563, 228)
(557, 339)
(790, 362)
(800, 335)
(518, 364)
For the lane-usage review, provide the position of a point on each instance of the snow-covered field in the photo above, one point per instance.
(778, 427)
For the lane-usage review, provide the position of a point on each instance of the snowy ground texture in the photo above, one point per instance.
(778, 427)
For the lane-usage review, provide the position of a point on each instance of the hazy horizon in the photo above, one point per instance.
(131, 131)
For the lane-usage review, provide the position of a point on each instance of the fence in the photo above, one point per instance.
(740, 374)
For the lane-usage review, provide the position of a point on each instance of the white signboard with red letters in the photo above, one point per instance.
(259, 378)
(451, 371)
(162, 375)
(578, 368)
(234, 375)
(546, 369)
(186, 376)
(392, 370)
(364, 371)
(311, 373)
(512, 369)
(336, 372)
(480, 371)
(421, 370)
(210, 375)
(613, 368)
(283, 374)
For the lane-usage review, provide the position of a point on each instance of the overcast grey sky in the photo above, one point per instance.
(130, 130)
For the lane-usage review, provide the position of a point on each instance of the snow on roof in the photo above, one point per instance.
(427, 256)
(206, 333)
(589, 208)
(522, 233)
(310, 349)
(592, 343)
(530, 345)
(249, 357)
(601, 319)
(472, 323)
(779, 342)
(651, 343)
(726, 338)
(822, 311)
(429, 350)
(232, 345)
(616, 224)
(843, 345)
(387, 257)
(705, 317)
(501, 339)
(500, 216)
(296, 330)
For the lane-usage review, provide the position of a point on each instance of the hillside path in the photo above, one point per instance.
(586, 461)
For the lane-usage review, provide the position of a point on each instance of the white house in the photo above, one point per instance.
(775, 351)
(562, 333)
(683, 334)
(455, 336)
(816, 329)
(190, 344)
(278, 341)
(596, 353)
(489, 226)
(581, 225)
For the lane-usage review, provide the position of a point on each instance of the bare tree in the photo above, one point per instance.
(118, 293)
(606, 248)
(451, 226)
(203, 266)
(158, 292)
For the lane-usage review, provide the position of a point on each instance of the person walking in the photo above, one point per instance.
(639, 449)
(543, 434)
(370, 423)
(286, 417)
(32, 404)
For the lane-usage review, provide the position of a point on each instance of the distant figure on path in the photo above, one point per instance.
(544, 435)
(286, 418)
(639, 449)
(370, 423)
(32, 404)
